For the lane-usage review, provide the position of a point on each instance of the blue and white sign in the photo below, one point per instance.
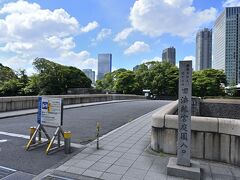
(50, 111)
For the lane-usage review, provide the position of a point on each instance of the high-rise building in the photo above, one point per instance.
(204, 49)
(90, 74)
(226, 44)
(169, 55)
(136, 67)
(104, 65)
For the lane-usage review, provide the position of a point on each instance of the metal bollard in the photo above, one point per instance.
(97, 133)
(67, 142)
(32, 130)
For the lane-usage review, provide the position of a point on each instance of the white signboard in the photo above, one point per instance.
(50, 111)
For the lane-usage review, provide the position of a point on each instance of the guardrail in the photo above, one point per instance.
(30, 102)
(212, 138)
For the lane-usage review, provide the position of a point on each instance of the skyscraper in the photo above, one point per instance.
(204, 49)
(169, 55)
(226, 44)
(90, 74)
(104, 65)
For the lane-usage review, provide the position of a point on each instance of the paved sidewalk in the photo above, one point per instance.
(125, 155)
(34, 111)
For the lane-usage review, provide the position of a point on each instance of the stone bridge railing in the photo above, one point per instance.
(212, 138)
(30, 102)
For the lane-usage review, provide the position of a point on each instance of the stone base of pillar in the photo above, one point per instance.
(192, 172)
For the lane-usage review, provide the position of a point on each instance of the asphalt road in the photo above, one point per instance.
(80, 121)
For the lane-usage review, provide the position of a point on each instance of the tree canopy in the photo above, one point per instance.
(51, 78)
(159, 77)
(207, 82)
(56, 79)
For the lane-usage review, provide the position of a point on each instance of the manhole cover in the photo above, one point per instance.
(5, 171)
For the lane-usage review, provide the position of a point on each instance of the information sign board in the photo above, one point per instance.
(50, 111)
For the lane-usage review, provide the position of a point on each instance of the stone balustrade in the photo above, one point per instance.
(30, 102)
(212, 138)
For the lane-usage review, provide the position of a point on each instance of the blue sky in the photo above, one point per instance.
(73, 32)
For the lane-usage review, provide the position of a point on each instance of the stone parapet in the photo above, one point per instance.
(212, 138)
(31, 102)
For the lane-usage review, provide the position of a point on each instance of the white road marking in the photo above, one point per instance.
(3, 140)
(8, 169)
(27, 137)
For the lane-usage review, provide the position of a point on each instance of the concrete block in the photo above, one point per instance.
(229, 126)
(206, 124)
(170, 141)
(154, 139)
(192, 172)
(158, 118)
(235, 150)
(225, 148)
(197, 144)
(171, 121)
(196, 106)
(212, 146)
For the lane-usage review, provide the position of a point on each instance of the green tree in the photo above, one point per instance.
(6, 74)
(108, 82)
(126, 83)
(33, 87)
(159, 77)
(56, 79)
(208, 82)
(11, 87)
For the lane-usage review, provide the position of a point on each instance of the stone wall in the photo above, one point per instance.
(213, 138)
(220, 108)
(30, 102)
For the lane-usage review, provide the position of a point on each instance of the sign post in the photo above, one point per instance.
(50, 114)
(184, 113)
(182, 166)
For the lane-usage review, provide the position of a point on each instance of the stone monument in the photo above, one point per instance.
(182, 166)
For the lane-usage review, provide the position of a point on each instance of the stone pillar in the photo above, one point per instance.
(184, 113)
(183, 166)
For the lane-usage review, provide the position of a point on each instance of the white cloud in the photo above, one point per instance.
(29, 31)
(89, 27)
(231, 3)
(175, 17)
(123, 34)
(153, 59)
(82, 60)
(137, 47)
(189, 58)
(104, 33)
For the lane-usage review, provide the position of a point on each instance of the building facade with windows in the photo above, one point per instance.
(90, 74)
(169, 55)
(203, 49)
(104, 65)
(226, 34)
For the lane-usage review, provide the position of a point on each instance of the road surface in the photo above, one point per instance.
(80, 121)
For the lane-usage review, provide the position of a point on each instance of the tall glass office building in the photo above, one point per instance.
(169, 55)
(226, 34)
(90, 74)
(104, 65)
(204, 49)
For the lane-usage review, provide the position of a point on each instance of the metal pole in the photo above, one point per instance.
(67, 142)
(59, 139)
(39, 135)
(32, 130)
(98, 130)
